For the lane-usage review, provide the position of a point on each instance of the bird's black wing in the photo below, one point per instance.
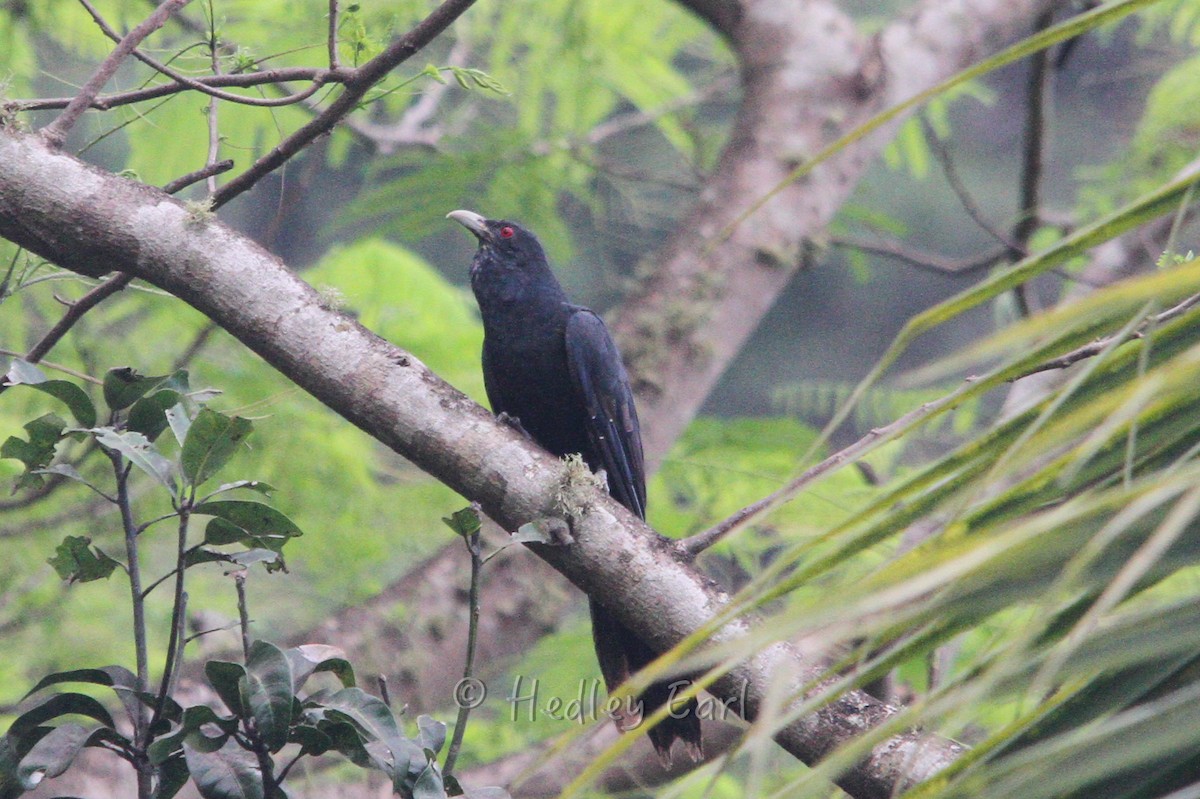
(612, 423)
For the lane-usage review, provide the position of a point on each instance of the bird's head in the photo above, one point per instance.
(509, 256)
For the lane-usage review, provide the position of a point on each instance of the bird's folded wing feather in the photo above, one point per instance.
(603, 387)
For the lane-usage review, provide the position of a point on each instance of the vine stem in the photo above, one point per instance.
(464, 708)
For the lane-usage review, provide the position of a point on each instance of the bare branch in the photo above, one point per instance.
(1096, 347)
(57, 131)
(205, 84)
(185, 82)
(334, 62)
(942, 153)
(205, 172)
(922, 260)
(364, 78)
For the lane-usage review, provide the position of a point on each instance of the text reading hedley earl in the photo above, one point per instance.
(528, 702)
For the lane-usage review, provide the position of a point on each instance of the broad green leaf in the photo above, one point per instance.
(312, 740)
(121, 680)
(268, 692)
(179, 420)
(431, 733)
(212, 439)
(226, 678)
(227, 773)
(148, 415)
(68, 471)
(253, 524)
(36, 453)
(140, 452)
(172, 776)
(167, 746)
(465, 522)
(309, 659)
(124, 386)
(429, 784)
(75, 398)
(76, 561)
(65, 704)
(53, 754)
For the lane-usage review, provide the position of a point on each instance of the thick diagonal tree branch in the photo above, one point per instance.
(808, 75)
(90, 221)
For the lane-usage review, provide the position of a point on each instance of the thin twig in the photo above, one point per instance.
(239, 581)
(205, 84)
(923, 260)
(207, 171)
(73, 314)
(942, 154)
(333, 35)
(319, 77)
(1097, 346)
(384, 693)
(356, 88)
(56, 132)
(464, 708)
(1032, 159)
(214, 130)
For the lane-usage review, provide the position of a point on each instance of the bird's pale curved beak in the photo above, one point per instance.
(471, 221)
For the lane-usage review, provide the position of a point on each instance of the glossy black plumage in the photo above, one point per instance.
(554, 367)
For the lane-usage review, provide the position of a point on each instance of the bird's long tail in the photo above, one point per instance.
(621, 653)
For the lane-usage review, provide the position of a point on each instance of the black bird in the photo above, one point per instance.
(553, 367)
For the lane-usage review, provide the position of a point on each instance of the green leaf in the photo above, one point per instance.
(52, 755)
(179, 420)
(68, 471)
(195, 717)
(123, 386)
(429, 784)
(266, 489)
(36, 453)
(311, 739)
(225, 678)
(211, 440)
(311, 658)
(12, 749)
(253, 524)
(269, 692)
(227, 773)
(75, 398)
(140, 452)
(369, 714)
(120, 679)
(77, 562)
(465, 522)
(61, 705)
(148, 415)
(431, 733)
(172, 776)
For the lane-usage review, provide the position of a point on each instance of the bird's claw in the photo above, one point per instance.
(514, 423)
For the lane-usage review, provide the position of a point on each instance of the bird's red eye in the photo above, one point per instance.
(506, 232)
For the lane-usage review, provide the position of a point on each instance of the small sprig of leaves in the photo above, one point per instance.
(269, 714)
